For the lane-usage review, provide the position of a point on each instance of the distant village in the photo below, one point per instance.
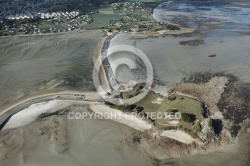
(44, 23)
(19, 17)
(53, 15)
(31, 17)
(26, 8)
(129, 6)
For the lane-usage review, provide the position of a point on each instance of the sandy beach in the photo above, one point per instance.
(31, 113)
(120, 117)
(178, 135)
(88, 139)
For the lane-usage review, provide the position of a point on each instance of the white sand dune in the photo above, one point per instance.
(178, 135)
(138, 124)
(30, 113)
(121, 117)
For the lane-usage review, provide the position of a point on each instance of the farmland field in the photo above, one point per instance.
(45, 25)
(101, 20)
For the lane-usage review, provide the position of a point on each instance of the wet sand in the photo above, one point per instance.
(92, 142)
(27, 62)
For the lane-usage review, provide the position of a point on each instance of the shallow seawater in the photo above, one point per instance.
(172, 61)
(228, 43)
(193, 14)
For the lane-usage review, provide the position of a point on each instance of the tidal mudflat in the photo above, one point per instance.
(84, 140)
(30, 62)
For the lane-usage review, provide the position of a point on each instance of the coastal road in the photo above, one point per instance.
(74, 97)
(113, 84)
(6, 114)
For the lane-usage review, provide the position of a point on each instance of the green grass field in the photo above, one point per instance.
(46, 25)
(147, 104)
(156, 103)
(101, 19)
(184, 105)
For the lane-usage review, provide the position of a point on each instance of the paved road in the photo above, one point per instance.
(106, 65)
(5, 117)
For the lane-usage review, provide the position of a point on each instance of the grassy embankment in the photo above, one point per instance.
(185, 105)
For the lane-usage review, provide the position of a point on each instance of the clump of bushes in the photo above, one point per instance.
(172, 98)
(186, 117)
(172, 27)
(124, 108)
(198, 128)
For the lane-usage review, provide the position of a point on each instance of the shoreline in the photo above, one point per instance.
(139, 124)
(120, 117)
(8, 113)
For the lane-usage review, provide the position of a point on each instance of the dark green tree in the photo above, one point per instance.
(188, 117)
